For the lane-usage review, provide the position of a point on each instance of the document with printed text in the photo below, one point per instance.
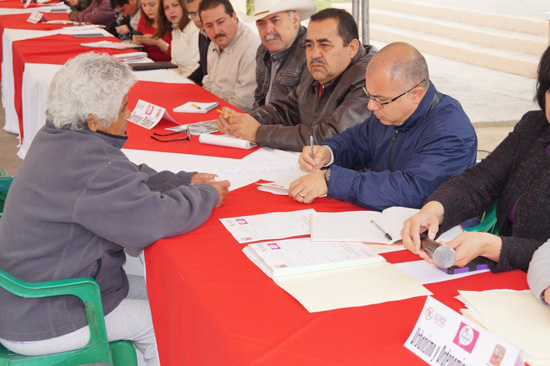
(270, 226)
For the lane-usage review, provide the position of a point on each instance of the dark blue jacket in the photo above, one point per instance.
(406, 163)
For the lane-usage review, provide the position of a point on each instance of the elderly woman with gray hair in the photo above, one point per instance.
(77, 202)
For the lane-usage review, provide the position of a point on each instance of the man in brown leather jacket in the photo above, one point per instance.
(329, 98)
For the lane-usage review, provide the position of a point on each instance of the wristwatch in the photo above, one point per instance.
(327, 175)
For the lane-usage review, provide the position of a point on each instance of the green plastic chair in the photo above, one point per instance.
(5, 183)
(98, 349)
(488, 222)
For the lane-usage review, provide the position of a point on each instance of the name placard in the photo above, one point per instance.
(36, 17)
(442, 336)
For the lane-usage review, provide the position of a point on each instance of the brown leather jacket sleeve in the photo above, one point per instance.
(288, 123)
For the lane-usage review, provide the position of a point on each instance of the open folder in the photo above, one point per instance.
(361, 226)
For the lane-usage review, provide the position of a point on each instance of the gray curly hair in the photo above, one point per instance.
(89, 84)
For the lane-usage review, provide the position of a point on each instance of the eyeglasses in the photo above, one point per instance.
(186, 136)
(192, 15)
(382, 104)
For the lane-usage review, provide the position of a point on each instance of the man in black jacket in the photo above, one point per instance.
(281, 58)
(197, 75)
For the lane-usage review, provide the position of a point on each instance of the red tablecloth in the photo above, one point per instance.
(212, 306)
(170, 96)
(19, 21)
(56, 49)
(16, 4)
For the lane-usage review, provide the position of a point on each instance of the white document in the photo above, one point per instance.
(113, 45)
(295, 256)
(274, 225)
(516, 316)
(349, 287)
(425, 272)
(281, 186)
(148, 115)
(226, 140)
(362, 226)
(131, 57)
(441, 336)
(196, 107)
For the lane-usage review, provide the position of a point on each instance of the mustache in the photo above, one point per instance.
(317, 61)
(272, 36)
(219, 35)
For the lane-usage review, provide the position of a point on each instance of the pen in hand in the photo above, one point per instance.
(388, 236)
(311, 144)
(221, 112)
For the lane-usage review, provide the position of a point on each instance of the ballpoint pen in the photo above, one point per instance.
(388, 236)
(311, 144)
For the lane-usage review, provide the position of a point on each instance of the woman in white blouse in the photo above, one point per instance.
(185, 35)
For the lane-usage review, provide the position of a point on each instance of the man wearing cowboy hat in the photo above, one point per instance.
(281, 58)
(329, 98)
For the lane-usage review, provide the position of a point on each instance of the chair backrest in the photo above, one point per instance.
(97, 349)
(5, 183)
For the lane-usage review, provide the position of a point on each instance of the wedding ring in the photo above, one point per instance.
(301, 195)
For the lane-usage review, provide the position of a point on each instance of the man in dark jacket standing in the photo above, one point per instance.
(415, 139)
(281, 58)
(329, 98)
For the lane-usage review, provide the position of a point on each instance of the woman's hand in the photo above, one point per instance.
(429, 218)
(150, 40)
(471, 245)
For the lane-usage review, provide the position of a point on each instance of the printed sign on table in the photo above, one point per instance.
(441, 336)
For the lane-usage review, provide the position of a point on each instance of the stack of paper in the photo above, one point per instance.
(516, 316)
(113, 45)
(295, 256)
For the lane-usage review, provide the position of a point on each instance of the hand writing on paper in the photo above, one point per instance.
(199, 178)
(321, 158)
(307, 188)
(222, 188)
(223, 119)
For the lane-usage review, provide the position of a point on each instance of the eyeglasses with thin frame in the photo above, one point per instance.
(382, 104)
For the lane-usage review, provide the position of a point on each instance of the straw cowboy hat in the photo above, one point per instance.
(263, 8)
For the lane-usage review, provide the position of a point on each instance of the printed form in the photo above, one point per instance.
(274, 225)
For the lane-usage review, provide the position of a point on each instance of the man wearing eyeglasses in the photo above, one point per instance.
(415, 139)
